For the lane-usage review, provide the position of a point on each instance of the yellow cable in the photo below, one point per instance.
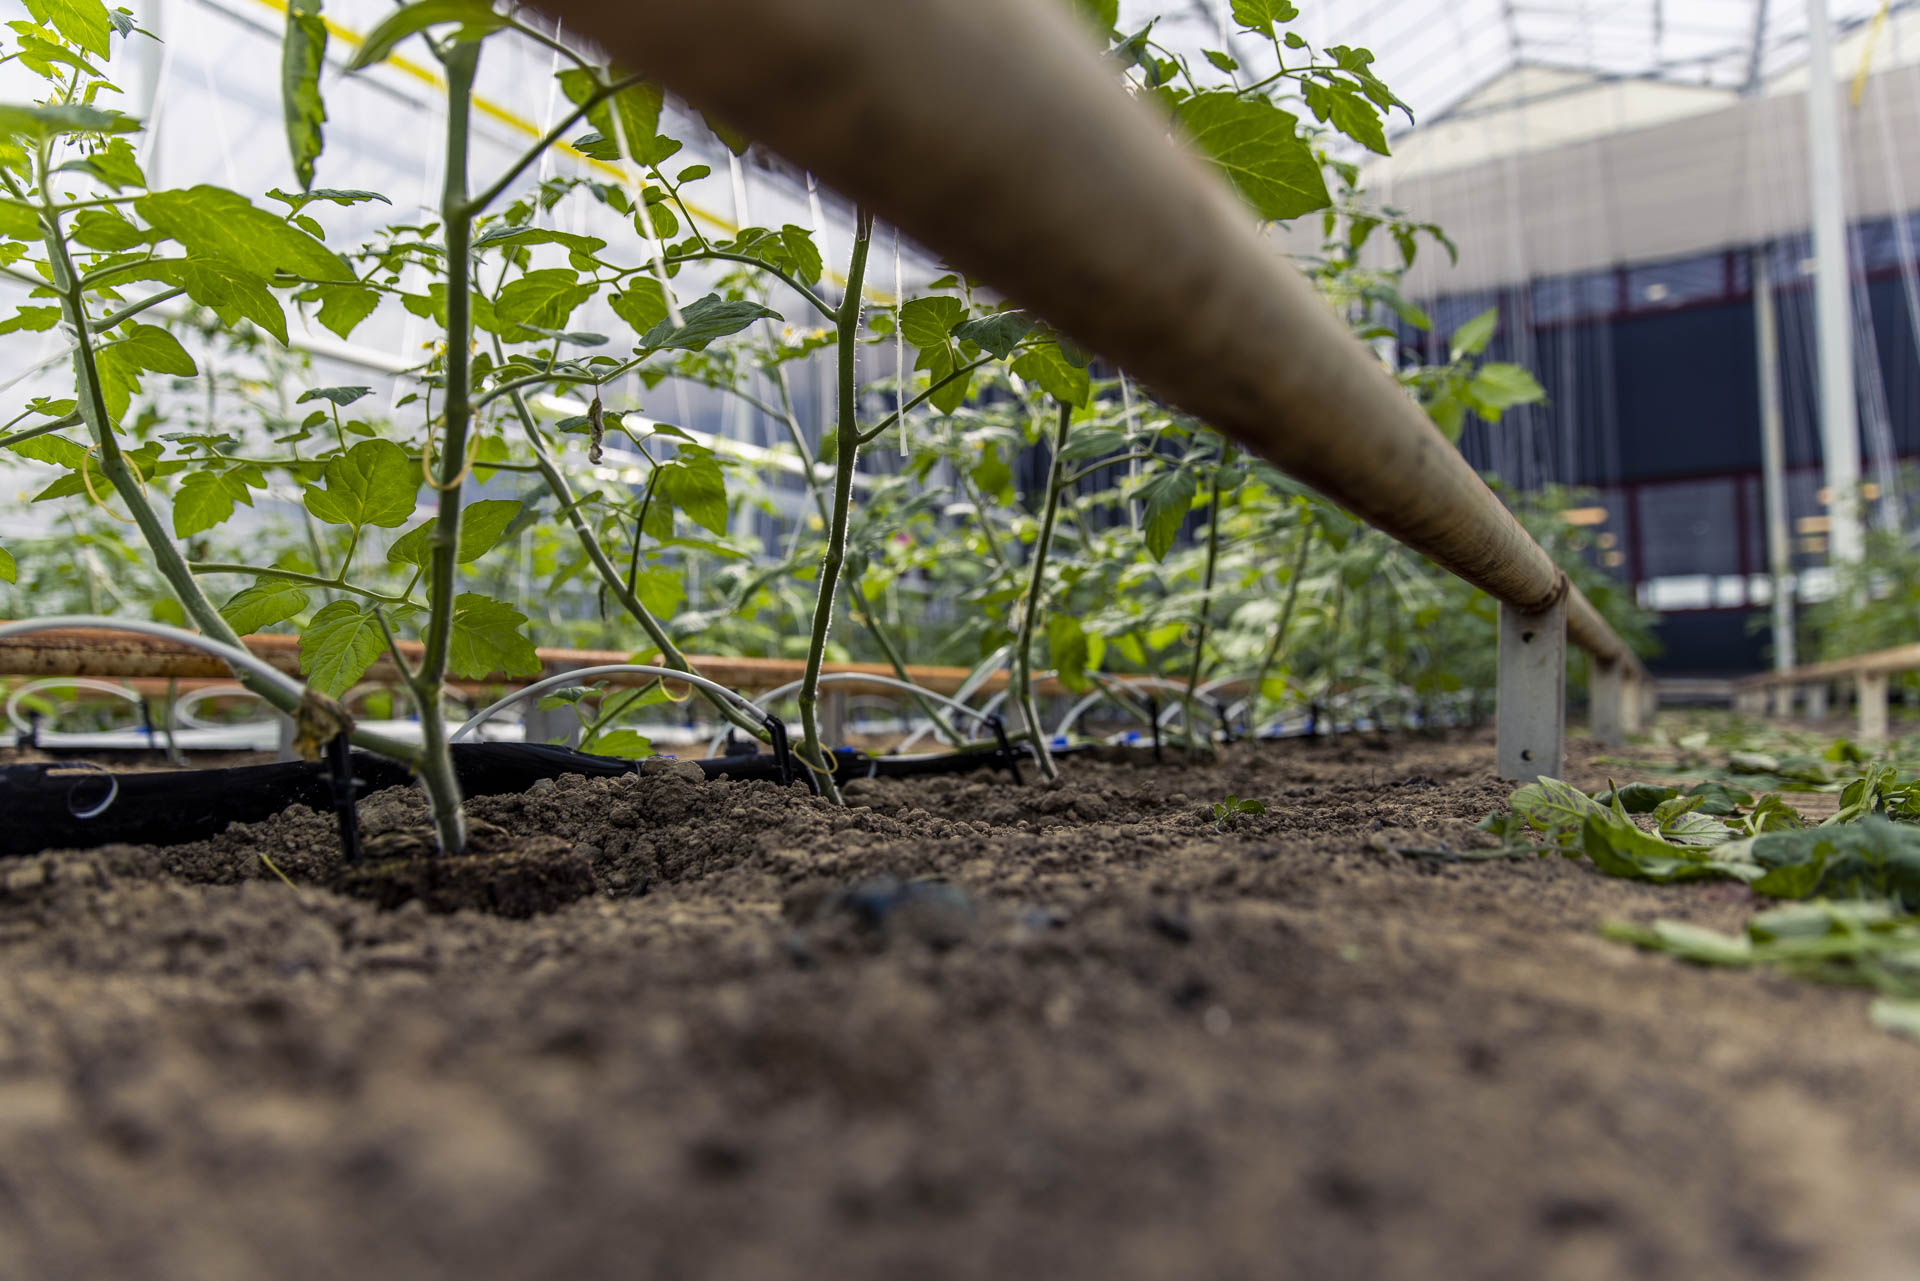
(1866, 52)
(520, 124)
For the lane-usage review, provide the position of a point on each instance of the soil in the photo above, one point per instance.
(680, 1029)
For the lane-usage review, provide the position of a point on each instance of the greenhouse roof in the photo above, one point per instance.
(1557, 137)
(1443, 56)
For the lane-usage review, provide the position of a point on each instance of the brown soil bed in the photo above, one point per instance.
(960, 1030)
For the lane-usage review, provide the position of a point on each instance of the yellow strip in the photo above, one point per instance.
(520, 124)
(492, 110)
(1866, 53)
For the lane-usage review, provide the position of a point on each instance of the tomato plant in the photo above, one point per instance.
(979, 491)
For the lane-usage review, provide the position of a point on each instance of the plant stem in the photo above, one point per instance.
(167, 559)
(1036, 583)
(294, 576)
(846, 457)
(461, 59)
(1206, 604)
(861, 606)
(1303, 542)
(44, 429)
(616, 584)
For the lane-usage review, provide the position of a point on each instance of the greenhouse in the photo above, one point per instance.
(969, 638)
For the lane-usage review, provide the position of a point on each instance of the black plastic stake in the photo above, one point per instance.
(783, 754)
(1153, 722)
(345, 788)
(998, 728)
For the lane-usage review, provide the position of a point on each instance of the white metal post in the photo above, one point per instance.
(1607, 694)
(1531, 711)
(1832, 282)
(1873, 707)
(1773, 458)
(1636, 703)
(1783, 700)
(548, 725)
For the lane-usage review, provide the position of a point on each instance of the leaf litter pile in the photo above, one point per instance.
(1848, 884)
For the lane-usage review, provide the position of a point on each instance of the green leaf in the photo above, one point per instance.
(926, 322)
(231, 293)
(8, 570)
(341, 396)
(803, 256)
(661, 590)
(374, 483)
(708, 319)
(206, 498)
(694, 484)
(999, 333)
(84, 22)
(730, 138)
(1263, 15)
(212, 222)
(642, 304)
(1896, 1014)
(476, 19)
(481, 526)
(1105, 13)
(1169, 497)
(30, 319)
(104, 229)
(1639, 798)
(39, 123)
(1348, 111)
(637, 110)
(1472, 338)
(339, 645)
(1259, 148)
(541, 299)
(623, 743)
(487, 640)
(1073, 650)
(343, 307)
(303, 53)
(1498, 386)
(573, 242)
(268, 601)
(1621, 849)
(120, 363)
(1047, 366)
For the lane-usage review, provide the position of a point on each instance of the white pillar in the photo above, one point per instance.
(1832, 283)
(1607, 695)
(1783, 700)
(1873, 707)
(1773, 455)
(1817, 701)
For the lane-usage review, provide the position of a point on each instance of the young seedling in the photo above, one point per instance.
(1230, 813)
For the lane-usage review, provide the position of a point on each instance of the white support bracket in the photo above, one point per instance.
(1609, 691)
(1816, 705)
(547, 725)
(1638, 702)
(1873, 707)
(833, 718)
(1783, 700)
(1531, 711)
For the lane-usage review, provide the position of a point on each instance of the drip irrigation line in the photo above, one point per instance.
(849, 678)
(30, 688)
(575, 677)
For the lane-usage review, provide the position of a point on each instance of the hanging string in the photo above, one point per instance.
(899, 348)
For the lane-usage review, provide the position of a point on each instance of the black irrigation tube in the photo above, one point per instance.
(74, 805)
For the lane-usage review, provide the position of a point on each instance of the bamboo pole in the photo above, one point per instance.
(990, 131)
